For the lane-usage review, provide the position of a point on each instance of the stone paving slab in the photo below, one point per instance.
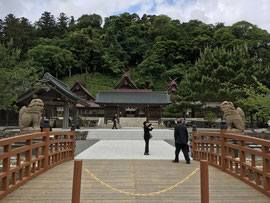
(82, 145)
(129, 134)
(129, 149)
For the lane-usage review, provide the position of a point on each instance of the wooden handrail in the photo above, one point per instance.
(231, 153)
(41, 151)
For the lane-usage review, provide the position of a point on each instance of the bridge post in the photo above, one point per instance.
(204, 181)
(194, 145)
(266, 169)
(223, 130)
(46, 139)
(77, 176)
(74, 140)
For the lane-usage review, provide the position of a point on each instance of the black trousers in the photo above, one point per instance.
(184, 148)
(114, 125)
(146, 145)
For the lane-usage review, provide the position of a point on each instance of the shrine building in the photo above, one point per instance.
(127, 100)
(57, 98)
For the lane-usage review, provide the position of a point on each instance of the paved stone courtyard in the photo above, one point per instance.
(128, 149)
(126, 144)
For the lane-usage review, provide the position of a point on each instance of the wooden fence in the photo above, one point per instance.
(232, 154)
(38, 152)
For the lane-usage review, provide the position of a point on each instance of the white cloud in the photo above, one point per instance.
(208, 11)
(213, 11)
(32, 9)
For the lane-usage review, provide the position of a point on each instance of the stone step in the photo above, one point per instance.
(127, 122)
(128, 134)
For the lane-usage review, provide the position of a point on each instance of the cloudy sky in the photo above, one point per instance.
(209, 11)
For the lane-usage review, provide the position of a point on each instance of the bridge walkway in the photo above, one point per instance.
(137, 176)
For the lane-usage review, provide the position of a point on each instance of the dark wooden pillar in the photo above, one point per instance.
(74, 116)
(251, 120)
(147, 110)
(66, 114)
(118, 111)
(105, 114)
(160, 118)
(124, 112)
(7, 117)
(49, 111)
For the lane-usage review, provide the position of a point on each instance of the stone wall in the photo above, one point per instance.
(263, 135)
(199, 124)
(7, 134)
(80, 135)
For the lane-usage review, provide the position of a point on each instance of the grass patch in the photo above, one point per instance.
(93, 81)
(97, 81)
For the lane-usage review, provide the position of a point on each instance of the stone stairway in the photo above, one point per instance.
(109, 124)
(127, 123)
(132, 122)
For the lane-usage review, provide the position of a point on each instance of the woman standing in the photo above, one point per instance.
(147, 128)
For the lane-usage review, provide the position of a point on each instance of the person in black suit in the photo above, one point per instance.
(181, 140)
(114, 121)
(147, 128)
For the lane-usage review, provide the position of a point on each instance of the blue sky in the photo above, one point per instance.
(208, 11)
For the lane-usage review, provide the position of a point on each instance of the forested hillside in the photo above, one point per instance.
(211, 62)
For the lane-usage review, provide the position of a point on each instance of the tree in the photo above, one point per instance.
(87, 49)
(72, 24)
(15, 75)
(166, 58)
(46, 25)
(53, 59)
(210, 117)
(223, 37)
(219, 74)
(257, 100)
(62, 24)
(19, 30)
(200, 36)
(1, 30)
(85, 21)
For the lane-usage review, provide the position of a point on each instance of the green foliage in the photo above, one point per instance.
(257, 100)
(62, 24)
(46, 26)
(210, 117)
(19, 30)
(219, 74)
(15, 75)
(51, 58)
(211, 62)
(85, 21)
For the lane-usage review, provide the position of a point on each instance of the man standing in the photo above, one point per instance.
(181, 140)
(114, 121)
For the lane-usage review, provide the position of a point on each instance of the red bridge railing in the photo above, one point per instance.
(246, 158)
(37, 153)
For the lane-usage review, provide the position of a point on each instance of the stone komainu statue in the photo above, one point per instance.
(31, 116)
(235, 118)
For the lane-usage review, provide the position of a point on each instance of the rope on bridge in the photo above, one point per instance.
(141, 194)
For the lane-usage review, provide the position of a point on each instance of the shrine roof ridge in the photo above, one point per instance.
(59, 85)
(127, 97)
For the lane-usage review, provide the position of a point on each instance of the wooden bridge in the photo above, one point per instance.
(237, 174)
